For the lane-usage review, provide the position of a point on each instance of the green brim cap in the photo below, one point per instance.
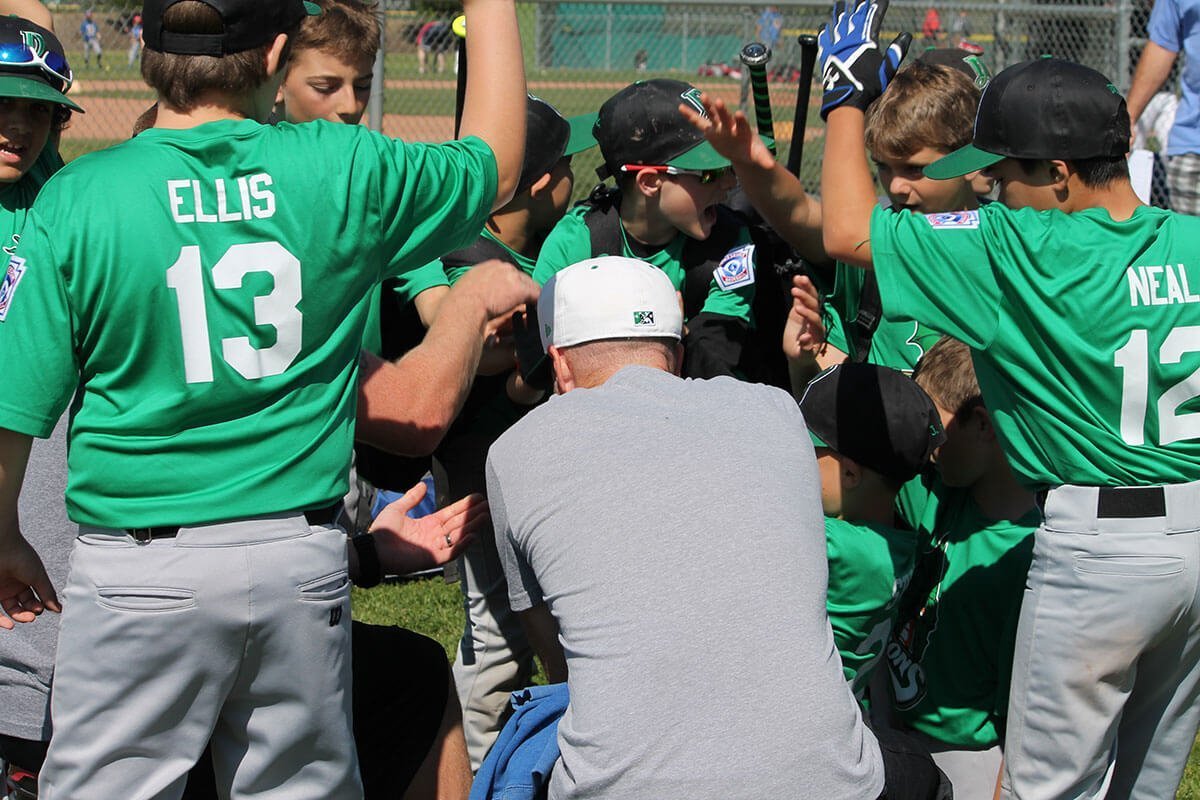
(963, 160)
(32, 89)
(704, 156)
(817, 440)
(581, 137)
(313, 9)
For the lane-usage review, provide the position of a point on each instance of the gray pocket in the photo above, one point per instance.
(1129, 565)
(334, 586)
(145, 598)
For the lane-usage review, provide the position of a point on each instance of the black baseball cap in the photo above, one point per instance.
(875, 415)
(247, 24)
(1044, 108)
(549, 137)
(641, 124)
(33, 65)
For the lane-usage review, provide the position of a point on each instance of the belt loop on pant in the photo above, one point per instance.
(1130, 502)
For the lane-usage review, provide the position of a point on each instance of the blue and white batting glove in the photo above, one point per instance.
(854, 68)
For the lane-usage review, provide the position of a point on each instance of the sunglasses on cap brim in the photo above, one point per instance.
(53, 65)
(706, 176)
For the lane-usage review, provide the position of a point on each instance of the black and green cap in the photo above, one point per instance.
(33, 65)
(246, 24)
(641, 124)
(549, 137)
(875, 415)
(1042, 109)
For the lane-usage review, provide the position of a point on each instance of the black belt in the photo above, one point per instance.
(1125, 502)
(315, 516)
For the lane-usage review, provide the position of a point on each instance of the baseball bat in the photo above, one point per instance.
(460, 90)
(808, 58)
(755, 56)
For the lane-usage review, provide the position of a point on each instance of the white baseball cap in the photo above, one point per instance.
(609, 297)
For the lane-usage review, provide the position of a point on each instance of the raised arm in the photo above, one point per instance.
(407, 405)
(31, 10)
(776, 193)
(1152, 70)
(855, 69)
(494, 108)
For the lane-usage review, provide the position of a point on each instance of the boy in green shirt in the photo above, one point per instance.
(213, 358)
(874, 429)
(666, 211)
(951, 650)
(1076, 301)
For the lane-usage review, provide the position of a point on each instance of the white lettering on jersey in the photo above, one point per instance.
(194, 201)
(1155, 285)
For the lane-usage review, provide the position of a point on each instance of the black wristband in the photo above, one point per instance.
(370, 573)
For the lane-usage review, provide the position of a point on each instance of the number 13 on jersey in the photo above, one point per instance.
(1133, 359)
(277, 309)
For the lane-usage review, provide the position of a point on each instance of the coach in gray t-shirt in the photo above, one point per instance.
(663, 541)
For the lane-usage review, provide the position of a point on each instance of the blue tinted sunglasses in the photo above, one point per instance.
(53, 65)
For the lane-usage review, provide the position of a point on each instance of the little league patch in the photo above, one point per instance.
(12, 277)
(954, 219)
(736, 268)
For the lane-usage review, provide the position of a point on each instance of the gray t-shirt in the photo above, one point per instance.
(674, 530)
(27, 651)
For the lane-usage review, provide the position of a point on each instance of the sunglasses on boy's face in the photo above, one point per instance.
(706, 176)
(53, 65)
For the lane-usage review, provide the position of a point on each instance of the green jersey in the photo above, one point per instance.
(952, 648)
(1084, 331)
(869, 568)
(570, 242)
(212, 348)
(894, 344)
(415, 281)
(17, 198)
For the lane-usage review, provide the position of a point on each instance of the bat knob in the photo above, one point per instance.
(755, 54)
(807, 39)
(459, 26)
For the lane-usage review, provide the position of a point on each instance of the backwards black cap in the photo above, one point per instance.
(549, 137)
(1047, 108)
(247, 24)
(875, 415)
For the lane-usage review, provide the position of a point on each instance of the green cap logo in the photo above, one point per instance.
(643, 318)
(34, 41)
(692, 98)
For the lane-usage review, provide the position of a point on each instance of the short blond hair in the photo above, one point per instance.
(947, 374)
(925, 105)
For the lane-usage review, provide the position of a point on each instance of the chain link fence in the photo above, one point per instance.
(578, 54)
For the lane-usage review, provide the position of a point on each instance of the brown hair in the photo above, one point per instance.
(181, 80)
(948, 376)
(346, 28)
(925, 105)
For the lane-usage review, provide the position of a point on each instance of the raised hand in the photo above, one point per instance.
(407, 545)
(729, 132)
(855, 69)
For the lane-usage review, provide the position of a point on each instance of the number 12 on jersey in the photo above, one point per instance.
(277, 309)
(1133, 359)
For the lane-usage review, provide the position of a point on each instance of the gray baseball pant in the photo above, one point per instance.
(236, 631)
(1106, 674)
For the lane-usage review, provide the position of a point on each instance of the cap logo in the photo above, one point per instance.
(692, 98)
(982, 74)
(1113, 89)
(643, 318)
(34, 41)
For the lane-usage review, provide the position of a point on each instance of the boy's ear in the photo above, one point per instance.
(851, 471)
(981, 421)
(1059, 172)
(540, 185)
(648, 182)
(274, 55)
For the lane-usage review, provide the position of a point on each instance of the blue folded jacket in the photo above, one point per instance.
(518, 765)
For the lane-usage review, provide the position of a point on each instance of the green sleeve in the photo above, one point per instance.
(917, 501)
(433, 198)
(37, 336)
(735, 302)
(835, 331)
(415, 281)
(569, 242)
(938, 269)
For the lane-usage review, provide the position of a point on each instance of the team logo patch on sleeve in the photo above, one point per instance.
(954, 219)
(736, 268)
(16, 269)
